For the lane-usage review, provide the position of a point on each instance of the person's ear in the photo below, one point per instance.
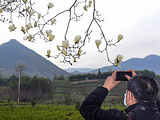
(133, 98)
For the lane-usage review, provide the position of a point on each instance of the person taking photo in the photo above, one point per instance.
(141, 99)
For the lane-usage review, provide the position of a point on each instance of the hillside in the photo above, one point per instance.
(14, 53)
(149, 62)
(78, 70)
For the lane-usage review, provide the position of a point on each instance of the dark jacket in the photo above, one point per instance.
(143, 110)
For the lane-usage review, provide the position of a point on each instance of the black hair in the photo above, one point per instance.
(143, 88)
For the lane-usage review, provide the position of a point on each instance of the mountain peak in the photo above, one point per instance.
(13, 53)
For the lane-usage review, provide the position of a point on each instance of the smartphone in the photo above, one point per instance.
(120, 76)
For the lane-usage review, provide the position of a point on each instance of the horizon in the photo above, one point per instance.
(84, 67)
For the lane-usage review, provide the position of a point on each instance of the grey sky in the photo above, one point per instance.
(137, 20)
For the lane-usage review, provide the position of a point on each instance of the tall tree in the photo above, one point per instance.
(20, 70)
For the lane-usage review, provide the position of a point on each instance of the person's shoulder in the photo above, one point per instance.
(120, 114)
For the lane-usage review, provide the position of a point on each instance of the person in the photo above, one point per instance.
(140, 98)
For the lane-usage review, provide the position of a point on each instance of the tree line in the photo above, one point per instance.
(104, 75)
(39, 88)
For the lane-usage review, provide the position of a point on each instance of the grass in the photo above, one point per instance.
(46, 112)
(40, 112)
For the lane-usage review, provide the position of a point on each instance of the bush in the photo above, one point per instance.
(33, 102)
(78, 105)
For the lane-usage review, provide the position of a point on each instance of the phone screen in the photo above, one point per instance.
(121, 75)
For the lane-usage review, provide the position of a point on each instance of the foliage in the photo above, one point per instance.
(33, 102)
(104, 75)
(31, 88)
(78, 105)
(147, 72)
(45, 112)
(40, 112)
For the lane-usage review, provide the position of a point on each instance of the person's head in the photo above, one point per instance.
(141, 87)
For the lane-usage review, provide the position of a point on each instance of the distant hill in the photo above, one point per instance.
(14, 53)
(79, 70)
(150, 62)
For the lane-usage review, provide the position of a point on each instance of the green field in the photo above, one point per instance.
(46, 112)
(62, 106)
(40, 112)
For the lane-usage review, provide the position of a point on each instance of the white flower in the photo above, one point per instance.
(48, 53)
(98, 42)
(31, 12)
(51, 37)
(58, 47)
(64, 52)
(12, 28)
(118, 60)
(77, 39)
(120, 37)
(23, 30)
(65, 43)
(29, 26)
(48, 32)
(50, 5)
(53, 21)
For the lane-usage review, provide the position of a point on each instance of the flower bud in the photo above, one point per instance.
(77, 39)
(79, 52)
(85, 8)
(58, 47)
(53, 21)
(29, 26)
(35, 24)
(1, 10)
(50, 5)
(64, 52)
(31, 12)
(98, 42)
(23, 30)
(51, 37)
(29, 37)
(118, 60)
(90, 2)
(24, 1)
(48, 32)
(12, 28)
(48, 53)
(39, 16)
(65, 43)
(120, 37)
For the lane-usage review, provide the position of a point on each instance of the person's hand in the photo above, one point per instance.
(133, 74)
(111, 81)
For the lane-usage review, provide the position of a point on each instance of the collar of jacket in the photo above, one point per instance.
(142, 105)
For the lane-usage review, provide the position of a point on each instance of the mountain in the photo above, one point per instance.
(150, 62)
(14, 53)
(79, 70)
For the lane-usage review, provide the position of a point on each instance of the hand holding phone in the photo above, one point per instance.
(120, 76)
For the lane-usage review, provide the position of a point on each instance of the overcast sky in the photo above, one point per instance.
(137, 20)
